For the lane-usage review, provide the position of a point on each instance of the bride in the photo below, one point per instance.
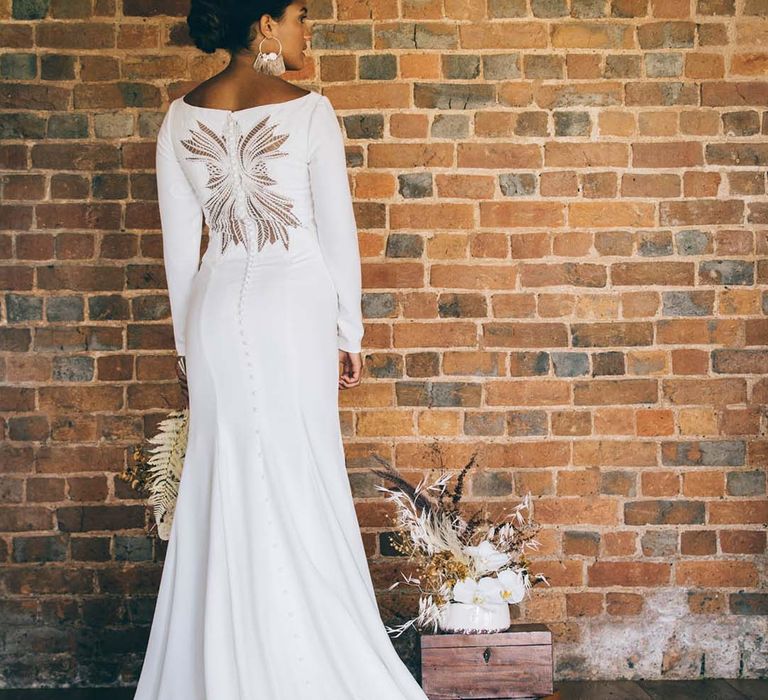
(265, 592)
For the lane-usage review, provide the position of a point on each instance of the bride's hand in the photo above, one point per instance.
(352, 369)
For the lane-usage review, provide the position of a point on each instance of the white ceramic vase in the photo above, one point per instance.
(470, 618)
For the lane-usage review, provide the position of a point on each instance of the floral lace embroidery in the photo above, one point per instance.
(239, 183)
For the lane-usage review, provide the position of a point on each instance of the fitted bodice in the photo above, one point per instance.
(271, 183)
(250, 168)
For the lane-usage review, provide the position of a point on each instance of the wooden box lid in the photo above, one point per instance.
(515, 635)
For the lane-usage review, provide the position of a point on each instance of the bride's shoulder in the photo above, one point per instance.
(220, 94)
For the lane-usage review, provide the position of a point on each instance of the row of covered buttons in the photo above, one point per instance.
(249, 360)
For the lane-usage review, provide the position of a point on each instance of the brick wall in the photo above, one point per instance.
(563, 216)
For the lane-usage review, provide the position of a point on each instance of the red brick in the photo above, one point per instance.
(742, 541)
(577, 511)
(716, 574)
(738, 512)
(663, 512)
(36, 580)
(706, 602)
(629, 573)
(561, 574)
(619, 544)
(624, 604)
(584, 604)
(698, 542)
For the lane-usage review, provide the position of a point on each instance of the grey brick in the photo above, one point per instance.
(491, 482)
(690, 303)
(349, 37)
(506, 8)
(655, 244)
(415, 35)
(72, 369)
(22, 309)
(57, 67)
(364, 126)
(414, 186)
(379, 304)
(751, 483)
(384, 365)
(460, 66)
(570, 364)
(68, 126)
(572, 124)
(549, 8)
(113, 125)
(727, 272)
(453, 95)
(112, 307)
(18, 66)
(622, 66)
(663, 65)
(62, 309)
(517, 184)
(704, 453)
(39, 548)
(378, 67)
(741, 123)
(692, 242)
(450, 126)
(543, 66)
(588, 9)
(30, 9)
(404, 245)
(133, 548)
(526, 423)
(484, 423)
(501, 66)
(659, 543)
(21, 126)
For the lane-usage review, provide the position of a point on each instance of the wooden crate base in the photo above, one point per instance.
(510, 665)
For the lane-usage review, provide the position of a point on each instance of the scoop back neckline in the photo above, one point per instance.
(246, 109)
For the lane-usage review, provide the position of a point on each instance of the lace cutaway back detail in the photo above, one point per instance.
(239, 183)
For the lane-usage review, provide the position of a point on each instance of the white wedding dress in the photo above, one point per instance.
(265, 592)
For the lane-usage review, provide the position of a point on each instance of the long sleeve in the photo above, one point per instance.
(335, 220)
(181, 219)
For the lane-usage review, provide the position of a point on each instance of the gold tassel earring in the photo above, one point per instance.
(270, 63)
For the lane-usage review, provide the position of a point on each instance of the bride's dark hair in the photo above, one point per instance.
(226, 24)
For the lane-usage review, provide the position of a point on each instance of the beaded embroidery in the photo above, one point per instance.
(239, 183)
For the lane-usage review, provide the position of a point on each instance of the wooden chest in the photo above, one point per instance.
(516, 663)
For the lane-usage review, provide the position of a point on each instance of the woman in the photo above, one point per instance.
(265, 592)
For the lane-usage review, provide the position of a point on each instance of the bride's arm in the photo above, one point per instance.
(181, 219)
(335, 219)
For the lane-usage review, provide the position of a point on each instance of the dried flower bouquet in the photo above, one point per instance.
(468, 571)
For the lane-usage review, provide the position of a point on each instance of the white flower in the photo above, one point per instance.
(487, 557)
(485, 592)
(512, 585)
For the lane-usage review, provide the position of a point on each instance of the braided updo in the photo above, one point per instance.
(227, 24)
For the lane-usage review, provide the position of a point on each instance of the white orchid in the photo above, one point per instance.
(487, 557)
(486, 591)
(512, 585)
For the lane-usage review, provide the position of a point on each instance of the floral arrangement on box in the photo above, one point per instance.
(470, 570)
(156, 471)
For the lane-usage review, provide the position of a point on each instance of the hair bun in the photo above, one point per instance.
(208, 22)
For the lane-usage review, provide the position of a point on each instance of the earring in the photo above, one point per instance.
(270, 63)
